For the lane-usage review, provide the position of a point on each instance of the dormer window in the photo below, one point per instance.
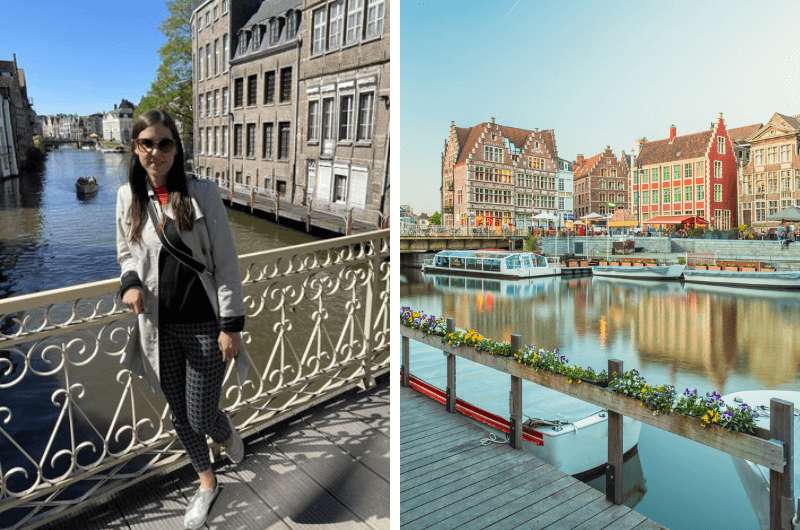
(275, 30)
(292, 23)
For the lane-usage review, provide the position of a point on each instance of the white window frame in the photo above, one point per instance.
(224, 6)
(717, 169)
(721, 145)
(364, 130)
(225, 52)
(350, 117)
(216, 56)
(335, 24)
(355, 17)
(318, 24)
(375, 14)
(314, 120)
(335, 176)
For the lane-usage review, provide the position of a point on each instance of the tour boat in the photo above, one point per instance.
(770, 280)
(658, 272)
(754, 477)
(86, 185)
(491, 263)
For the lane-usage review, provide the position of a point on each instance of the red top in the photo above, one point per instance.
(163, 194)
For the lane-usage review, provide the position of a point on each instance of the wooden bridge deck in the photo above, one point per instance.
(449, 480)
(328, 469)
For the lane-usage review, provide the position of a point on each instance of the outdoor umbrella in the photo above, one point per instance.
(790, 214)
(592, 217)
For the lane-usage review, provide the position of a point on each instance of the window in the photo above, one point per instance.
(365, 116)
(225, 53)
(269, 87)
(225, 107)
(238, 92)
(200, 140)
(224, 140)
(665, 173)
(700, 193)
(275, 30)
(266, 141)
(717, 192)
(346, 117)
(200, 65)
(286, 84)
(761, 214)
(237, 140)
(224, 6)
(313, 121)
(655, 174)
(318, 39)
(208, 104)
(208, 60)
(336, 16)
(665, 198)
(208, 18)
(717, 169)
(676, 195)
(645, 197)
(216, 12)
(721, 145)
(199, 104)
(216, 56)
(687, 171)
(327, 123)
(251, 140)
(772, 182)
(340, 189)
(283, 140)
(374, 18)
(215, 103)
(655, 197)
(252, 86)
(676, 172)
(759, 157)
(785, 150)
(687, 193)
(215, 141)
(354, 15)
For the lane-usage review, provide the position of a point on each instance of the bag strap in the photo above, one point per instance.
(178, 254)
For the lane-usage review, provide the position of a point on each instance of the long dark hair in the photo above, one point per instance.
(176, 178)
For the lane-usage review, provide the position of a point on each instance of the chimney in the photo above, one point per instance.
(672, 133)
(492, 119)
(579, 160)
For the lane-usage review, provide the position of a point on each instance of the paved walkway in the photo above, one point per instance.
(327, 469)
(449, 480)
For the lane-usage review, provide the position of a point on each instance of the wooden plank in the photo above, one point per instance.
(562, 509)
(604, 518)
(762, 451)
(614, 475)
(781, 498)
(429, 444)
(450, 404)
(361, 490)
(581, 515)
(459, 446)
(516, 399)
(451, 464)
(406, 366)
(435, 432)
(629, 520)
(647, 524)
(445, 507)
(299, 500)
(531, 510)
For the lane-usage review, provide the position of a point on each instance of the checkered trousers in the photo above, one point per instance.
(192, 369)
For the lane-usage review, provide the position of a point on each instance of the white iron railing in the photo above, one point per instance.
(77, 427)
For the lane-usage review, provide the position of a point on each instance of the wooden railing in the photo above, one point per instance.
(770, 448)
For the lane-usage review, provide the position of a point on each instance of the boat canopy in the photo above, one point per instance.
(488, 261)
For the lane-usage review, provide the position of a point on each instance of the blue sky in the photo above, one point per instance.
(83, 57)
(599, 73)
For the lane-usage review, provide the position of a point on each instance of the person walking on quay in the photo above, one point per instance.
(180, 276)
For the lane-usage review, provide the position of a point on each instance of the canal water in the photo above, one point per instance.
(699, 337)
(50, 238)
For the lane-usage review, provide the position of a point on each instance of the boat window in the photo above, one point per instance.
(491, 265)
(512, 262)
(541, 261)
(473, 264)
(442, 261)
(456, 263)
(526, 262)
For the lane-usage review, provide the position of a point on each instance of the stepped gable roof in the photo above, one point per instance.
(469, 136)
(581, 170)
(687, 146)
(272, 8)
(742, 134)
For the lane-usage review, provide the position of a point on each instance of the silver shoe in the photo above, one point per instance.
(197, 510)
(234, 446)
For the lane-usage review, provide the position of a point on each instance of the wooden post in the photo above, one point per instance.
(348, 226)
(406, 360)
(277, 207)
(781, 494)
(451, 372)
(252, 199)
(615, 447)
(515, 399)
(308, 217)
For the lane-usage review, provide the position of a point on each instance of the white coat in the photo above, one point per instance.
(211, 242)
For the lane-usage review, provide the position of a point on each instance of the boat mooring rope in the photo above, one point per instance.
(493, 439)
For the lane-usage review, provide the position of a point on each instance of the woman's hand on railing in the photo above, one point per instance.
(229, 344)
(134, 299)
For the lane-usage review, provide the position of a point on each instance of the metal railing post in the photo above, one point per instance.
(406, 360)
(451, 372)
(614, 491)
(781, 486)
(515, 399)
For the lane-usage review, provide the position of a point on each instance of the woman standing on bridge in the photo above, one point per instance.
(180, 275)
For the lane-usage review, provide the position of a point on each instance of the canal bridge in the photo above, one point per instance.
(57, 142)
(78, 429)
(420, 239)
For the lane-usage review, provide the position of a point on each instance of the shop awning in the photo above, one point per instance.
(676, 220)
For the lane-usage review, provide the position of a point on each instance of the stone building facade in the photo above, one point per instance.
(495, 175)
(8, 152)
(14, 91)
(601, 183)
(770, 180)
(565, 187)
(689, 175)
(343, 131)
(118, 123)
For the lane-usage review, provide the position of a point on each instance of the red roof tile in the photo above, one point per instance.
(682, 147)
(580, 171)
(740, 134)
(468, 137)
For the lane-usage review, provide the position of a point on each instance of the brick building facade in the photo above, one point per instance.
(601, 183)
(495, 175)
(770, 180)
(20, 114)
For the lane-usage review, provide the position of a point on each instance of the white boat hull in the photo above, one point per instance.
(667, 272)
(774, 280)
(535, 272)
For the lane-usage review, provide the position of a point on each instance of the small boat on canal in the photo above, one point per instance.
(657, 272)
(757, 279)
(86, 186)
(754, 477)
(491, 264)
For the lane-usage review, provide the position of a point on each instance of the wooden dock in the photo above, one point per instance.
(328, 469)
(448, 479)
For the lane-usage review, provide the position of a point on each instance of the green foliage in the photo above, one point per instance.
(531, 244)
(435, 219)
(172, 88)
(682, 260)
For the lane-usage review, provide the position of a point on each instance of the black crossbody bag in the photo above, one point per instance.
(178, 254)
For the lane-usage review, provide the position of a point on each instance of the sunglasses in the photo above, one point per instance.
(164, 145)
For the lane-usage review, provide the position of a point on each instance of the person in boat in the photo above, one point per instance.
(180, 276)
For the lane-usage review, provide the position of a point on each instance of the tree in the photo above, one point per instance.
(172, 88)
(436, 218)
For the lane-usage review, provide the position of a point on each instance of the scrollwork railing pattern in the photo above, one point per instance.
(75, 424)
